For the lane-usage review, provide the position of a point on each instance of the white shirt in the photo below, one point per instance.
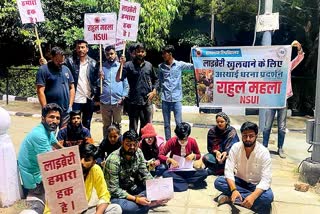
(256, 169)
(83, 88)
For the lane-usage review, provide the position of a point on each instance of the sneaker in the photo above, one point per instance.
(281, 153)
(223, 199)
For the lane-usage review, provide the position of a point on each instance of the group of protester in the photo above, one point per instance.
(119, 167)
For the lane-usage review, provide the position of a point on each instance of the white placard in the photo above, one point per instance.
(100, 28)
(184, 164)
(159, 189)
(30, 11)
(119, 45)
(63, 180)
(268, 22)
(128, 21)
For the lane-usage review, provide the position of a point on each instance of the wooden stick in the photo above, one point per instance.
(38, 40)
(100, 69)
(123, 54)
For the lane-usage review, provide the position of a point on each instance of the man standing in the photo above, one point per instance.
(247, 172)
(126, 174)
(282, 112)
(83, 70)
(143, 83)
(39, 140)
(170, 87)
(55, 84)
(113, 93)
(74, 133)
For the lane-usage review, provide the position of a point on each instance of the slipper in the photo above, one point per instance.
(223, 199)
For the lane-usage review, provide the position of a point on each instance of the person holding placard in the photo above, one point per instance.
(187, 149)
(143, 83)
(55, 84)
(282, 112)
(84, 73)
(126, 174)
(113, 93)
(40, 140)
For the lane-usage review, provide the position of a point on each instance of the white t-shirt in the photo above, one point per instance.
(83, 88)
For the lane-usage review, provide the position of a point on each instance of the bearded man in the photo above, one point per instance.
(113, 93)
(247, 172)
(74, 133)
(40, 140)
(126, 174)
(143, 83)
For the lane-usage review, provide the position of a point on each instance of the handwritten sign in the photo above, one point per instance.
(30, 11)
(184, 164)
(128, 21)
(119, 45)
(159, 189)
(242, 76)
(63, 180)
(100, 28)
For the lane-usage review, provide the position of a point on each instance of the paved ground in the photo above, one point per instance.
(287, 200)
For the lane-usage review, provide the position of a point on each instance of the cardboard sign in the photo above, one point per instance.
(268, 22)
(63, 180)
(30, 11)
(128, 21)
(159, 189)
(100, 28)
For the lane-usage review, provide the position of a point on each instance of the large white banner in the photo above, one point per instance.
(63, 180)
(242, 76)
(128, 21)
(100, 28)
(30, 11)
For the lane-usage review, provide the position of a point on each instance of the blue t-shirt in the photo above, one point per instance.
(38, 141)
(56, 82)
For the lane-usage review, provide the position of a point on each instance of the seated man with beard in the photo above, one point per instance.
(126, 174)
(74, 133)
(247, 173)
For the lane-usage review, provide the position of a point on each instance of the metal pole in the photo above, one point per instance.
(315, 155)
(212, 27)
(266, 41)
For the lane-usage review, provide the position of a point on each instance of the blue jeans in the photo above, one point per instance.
(130, 207)
(261, 205)
(86, 110)
(182, 179)
(282, 119)
(167, 107)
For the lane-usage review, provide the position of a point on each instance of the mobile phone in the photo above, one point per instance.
(238, 201)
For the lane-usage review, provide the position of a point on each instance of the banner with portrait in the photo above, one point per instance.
(253, 77)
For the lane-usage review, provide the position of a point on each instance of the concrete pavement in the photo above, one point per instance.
(284, 175)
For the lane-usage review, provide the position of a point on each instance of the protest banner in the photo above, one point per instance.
(128, 20)
(31, 12)
(242, 76)
(63, 180)
(100, 28)
(119, 45)
(159, 189)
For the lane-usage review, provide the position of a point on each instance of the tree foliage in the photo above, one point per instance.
(64, 20)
